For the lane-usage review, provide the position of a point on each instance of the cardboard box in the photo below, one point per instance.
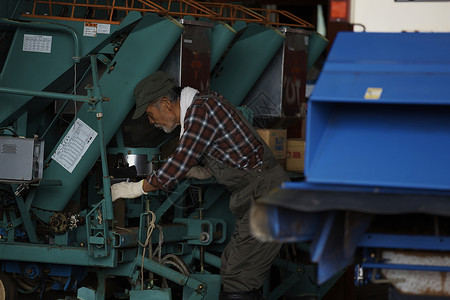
(295, 155)
(276, 140)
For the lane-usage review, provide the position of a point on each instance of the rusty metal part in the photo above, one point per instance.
(92, 11)
(114, 11)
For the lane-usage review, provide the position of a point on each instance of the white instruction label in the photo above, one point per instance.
(90, 29)
(37, 43)
(103, 28)
(74, 145)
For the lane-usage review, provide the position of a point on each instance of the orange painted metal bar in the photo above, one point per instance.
(151, 4)
(200, 7)
(192, 8)
(188, 7)
(73, 19)
(50, 8)
(269, 13)
(147, 6)
(228, 12)
(111, 12)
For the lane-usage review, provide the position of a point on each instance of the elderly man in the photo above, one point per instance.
(214, 139)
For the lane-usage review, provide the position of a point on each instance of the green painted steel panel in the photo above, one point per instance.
(317, 44)
(160, 294)
(214, 283)
(142, 53)
(78, 256)
(34, 70)
(221, 36)
(246, 61)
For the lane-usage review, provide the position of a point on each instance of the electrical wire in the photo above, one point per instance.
(359, 24)
(75, 86)
(7, 128)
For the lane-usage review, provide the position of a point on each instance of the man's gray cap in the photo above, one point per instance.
(151, 88)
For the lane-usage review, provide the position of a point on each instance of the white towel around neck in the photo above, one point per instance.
(187, 95)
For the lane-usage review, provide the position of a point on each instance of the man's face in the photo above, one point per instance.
(161, 116)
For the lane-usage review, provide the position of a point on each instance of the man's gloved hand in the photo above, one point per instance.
(199, 172)
(127, 190)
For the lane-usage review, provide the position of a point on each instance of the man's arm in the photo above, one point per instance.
(147, 187)
(198, 135)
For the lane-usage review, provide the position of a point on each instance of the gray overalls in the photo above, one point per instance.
(245, 260)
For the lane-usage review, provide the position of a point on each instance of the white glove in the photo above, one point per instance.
(199, 172)
(127, 190)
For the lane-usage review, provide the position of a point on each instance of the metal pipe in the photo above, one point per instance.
(49, 26)
(406, 267)
(62, 109)
(172, 275)
(99, 113)
(209, 258)
(202, 248)
(18, 4)
(52, 95)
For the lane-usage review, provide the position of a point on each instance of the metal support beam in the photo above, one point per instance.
(174, 276)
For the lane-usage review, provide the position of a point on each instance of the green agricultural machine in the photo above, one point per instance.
(68, 71)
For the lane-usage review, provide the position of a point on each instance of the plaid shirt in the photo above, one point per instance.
(214, 129)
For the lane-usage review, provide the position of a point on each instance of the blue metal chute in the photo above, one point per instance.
(379, 113)
(377, 144)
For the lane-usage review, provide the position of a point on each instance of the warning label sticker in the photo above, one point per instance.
(90, 29)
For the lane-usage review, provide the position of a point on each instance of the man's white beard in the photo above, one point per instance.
(165, 128)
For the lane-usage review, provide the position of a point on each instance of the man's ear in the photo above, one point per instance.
(166, 103)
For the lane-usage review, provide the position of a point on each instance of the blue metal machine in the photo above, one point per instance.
(67, 74)
(377, 190)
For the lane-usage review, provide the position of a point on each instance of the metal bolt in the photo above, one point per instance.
(201, 287)
(111, 68)
(204, 237)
